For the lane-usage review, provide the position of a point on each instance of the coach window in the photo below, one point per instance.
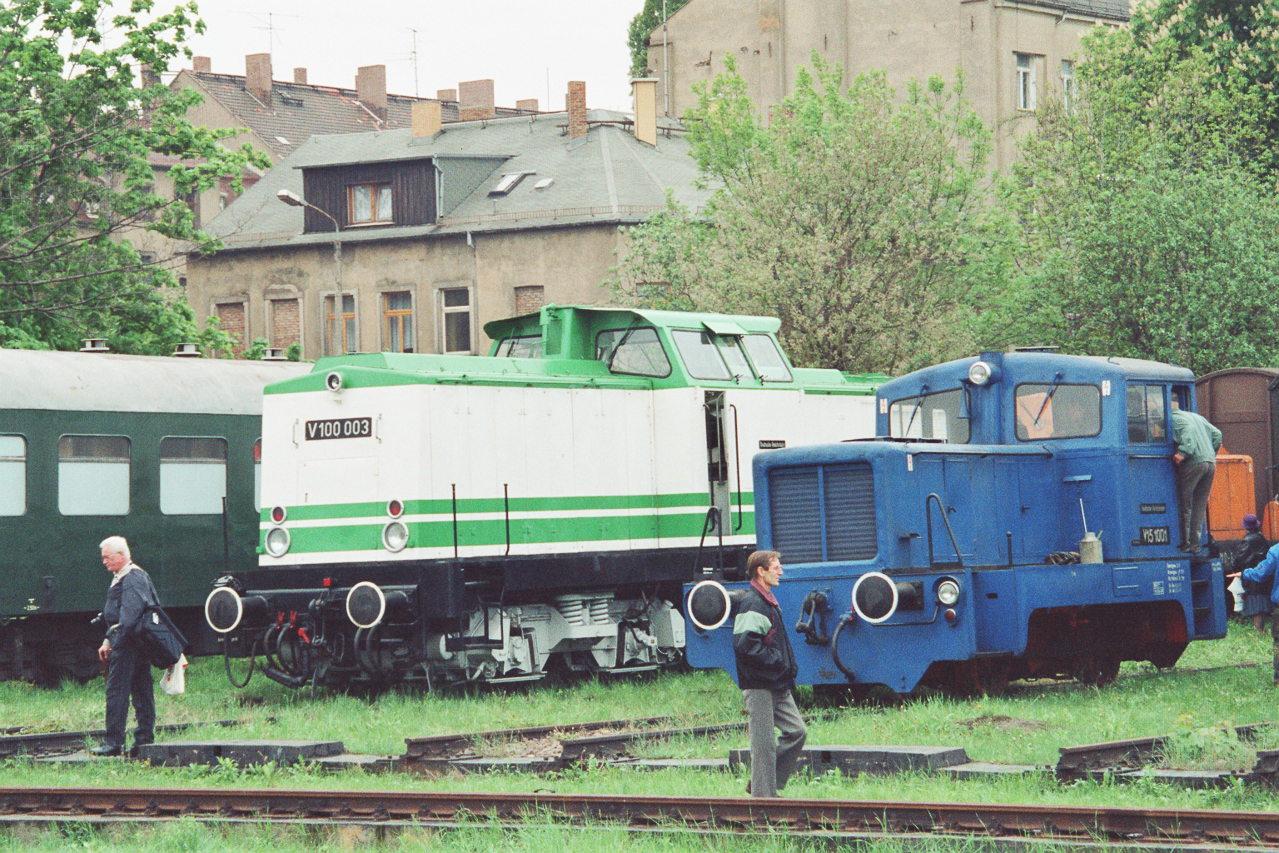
(767, 358)
(701, 355)
(93, 474)
(635, 351)
(1057, 411)
(1146, 414)
(13, 475)
(192, 475)
(935, 416)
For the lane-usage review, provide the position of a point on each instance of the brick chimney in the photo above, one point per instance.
(446, 94)
(576, 110)
(149, 76)
(427, 118)
(257, 76)
(527, 105)
(202, 63)
(644, 90)
(475, 100)
(299, 75)
(370, 87)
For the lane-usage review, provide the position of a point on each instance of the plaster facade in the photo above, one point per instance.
(567, 264)
(907, 39)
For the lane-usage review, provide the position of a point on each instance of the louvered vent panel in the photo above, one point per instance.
(850, 513)
(796, 513)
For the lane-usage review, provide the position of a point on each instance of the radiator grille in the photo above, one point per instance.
(821, 514)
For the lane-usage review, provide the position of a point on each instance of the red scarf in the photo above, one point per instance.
(766, 592)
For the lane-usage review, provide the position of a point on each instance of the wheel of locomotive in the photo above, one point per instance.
(977, 678)
(1166, 655)
(1096, 670)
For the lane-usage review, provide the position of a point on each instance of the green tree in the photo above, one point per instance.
(861, 220)
(1238, 38)
(75, 174)
(1147, 232)
(642, 26)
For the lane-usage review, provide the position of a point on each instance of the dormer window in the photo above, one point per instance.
(369, 204)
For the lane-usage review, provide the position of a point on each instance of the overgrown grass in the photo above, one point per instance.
(1026, 727)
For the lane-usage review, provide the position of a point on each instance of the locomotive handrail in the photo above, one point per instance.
(712, 517)
(737, 458)
(928, 516)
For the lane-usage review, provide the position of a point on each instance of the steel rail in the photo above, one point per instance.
(1039, 822)
(443, 747)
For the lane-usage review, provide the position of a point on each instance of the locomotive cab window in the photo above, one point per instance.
(767, 358)
(935, 416)
(701, 355)
(1146, 416)
(634, 351)
(192, 475)
(522, 346)
(13, 475)
(1057, 411)
(93, 474)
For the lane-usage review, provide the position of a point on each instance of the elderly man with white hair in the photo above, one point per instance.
(128, 670)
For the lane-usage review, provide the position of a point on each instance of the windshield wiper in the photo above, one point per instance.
(919, 404)
(1052, 389)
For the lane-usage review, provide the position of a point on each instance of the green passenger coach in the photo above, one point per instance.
(454, 518)
(162, 451)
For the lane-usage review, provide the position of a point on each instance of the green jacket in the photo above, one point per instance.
(1197, 439)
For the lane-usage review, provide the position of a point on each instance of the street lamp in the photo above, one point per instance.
(339, 306)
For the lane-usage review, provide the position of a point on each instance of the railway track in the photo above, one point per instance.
(20, 741)
(1152, 828)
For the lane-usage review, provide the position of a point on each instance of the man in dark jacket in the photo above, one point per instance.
(766, 673)
(128, 670)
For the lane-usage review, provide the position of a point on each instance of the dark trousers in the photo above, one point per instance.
(1274, 635)
(129, 677)
(1194, 483)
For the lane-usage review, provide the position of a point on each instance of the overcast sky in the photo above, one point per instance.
(530, 48)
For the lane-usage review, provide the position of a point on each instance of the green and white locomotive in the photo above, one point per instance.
(464, 518)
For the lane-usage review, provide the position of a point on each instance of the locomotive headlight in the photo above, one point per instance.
(948, 592)
(278, 541)
(980, 372)
(395, 536)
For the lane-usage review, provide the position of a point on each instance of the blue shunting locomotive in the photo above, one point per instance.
(1017, 519)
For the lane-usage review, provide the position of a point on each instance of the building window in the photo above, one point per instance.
(1027, 96)
(192, 476)
(1068, 85)
(529, 299)
(93, 475)
(13, 475)
(397, 322)
(342, 337)
(369, 203)
(455, 320)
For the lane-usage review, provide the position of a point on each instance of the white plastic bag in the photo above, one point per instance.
(1236, 587)
(174, 680)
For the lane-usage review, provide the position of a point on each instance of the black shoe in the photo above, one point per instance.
(105, 751)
